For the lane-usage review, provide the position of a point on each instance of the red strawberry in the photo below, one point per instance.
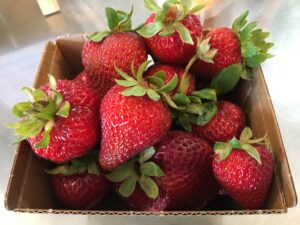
(170, 71)
(129, 125)
(242, 44)
(244, 171)
(181, 175)
(118, 47)
(171, 33)
(60, 124)
(227, 123)
(77, 187)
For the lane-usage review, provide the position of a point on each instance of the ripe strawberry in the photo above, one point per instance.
(79, 184)
(244, 170)
(170, 71)
(118, 47)
(171, 33)
(129, 125)
(56, 118)
(241, 44)
(181, 171)
(227, 123)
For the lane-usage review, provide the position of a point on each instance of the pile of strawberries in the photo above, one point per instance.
(166, 142)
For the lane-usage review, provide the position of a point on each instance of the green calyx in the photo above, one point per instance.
(138, 170)
(152, 86)
(37, 115)
(254, 47)
(223, 149)
(118, 21)
(87, 163)
(168, 19)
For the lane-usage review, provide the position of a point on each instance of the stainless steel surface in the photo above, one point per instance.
(23, 31)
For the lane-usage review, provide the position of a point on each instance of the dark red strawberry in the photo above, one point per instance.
(241, 44)
(129, 125)
(178, 174)
(244, 170)
(170, 71)
(227, 123)
(60, 121)
(79, 184)
(171, 33)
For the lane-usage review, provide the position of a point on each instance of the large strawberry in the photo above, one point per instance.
(242, 44)
(79, 184)
(176, 173)
(244, 169)
(60, 121)
(120, 46)
(228, 122)
(171, 32)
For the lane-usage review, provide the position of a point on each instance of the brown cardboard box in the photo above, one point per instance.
(29, 187)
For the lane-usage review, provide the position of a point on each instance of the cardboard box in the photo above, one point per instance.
(29, 187)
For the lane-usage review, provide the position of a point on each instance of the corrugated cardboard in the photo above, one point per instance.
(29, 187)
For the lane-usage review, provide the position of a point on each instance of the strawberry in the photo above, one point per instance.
(79, 184)
(171, 32)
(170, 71)
(55, 119)
(129, 124)
(120, 47)
(176, 173)
(227, 123)
(242, 44)
(244, 170)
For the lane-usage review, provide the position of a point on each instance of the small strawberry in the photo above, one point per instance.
(176, 173)
(120, 47)
(242, 44)
(59, 121)
(171, 32)
(227, 123)
(79, 184)
(244, 170)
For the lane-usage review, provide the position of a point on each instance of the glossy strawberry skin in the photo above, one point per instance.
(80, 191)
(120, 49)
(74, 136)
(246, 181)
(170, 71)
(229, 52)
(188, 181)
(129, 125)
(171, 49)
(226, 124)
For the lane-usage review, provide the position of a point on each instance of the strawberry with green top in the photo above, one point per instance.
(120, 46)
(244, 168)
(60, 121)
(80, 183)
(173, 174)
(172, 30)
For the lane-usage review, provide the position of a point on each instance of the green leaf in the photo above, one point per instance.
(62, 170)
(20, 108)
(197, 8)
(152, 5)
(119, 175)
(194, 99)
(132, 69)
(126, 83)
(134, 91)
(248, 50)
(224, 152)
(123, 74)
(29, 92)
(219, 145)
(146, 154)
(245, 34)
(39, 95)
(156, 81)
(153, 94)
(170, 86)
(252, 152)
(151, 169)
(42, 111)
(93, 168)
(184, 83)
(112, 18)
(208, 94)
(64, 110)
(169, 101)
(184, 33)
(234, 143)
(181, 99)
(98, 36)
(29, 127)
(184, 121)
(148, 185)
(160, 74)
(150, 29)
(257, 59)
(57, 98)
(125, 24)
(52, 82)
(240, 22)
(227, 79)
(246, 134)
(141, 70)
(167, 31)
(44, 142)
(128, 186)
(209, 111)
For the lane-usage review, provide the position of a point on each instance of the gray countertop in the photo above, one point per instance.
(23, 31)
